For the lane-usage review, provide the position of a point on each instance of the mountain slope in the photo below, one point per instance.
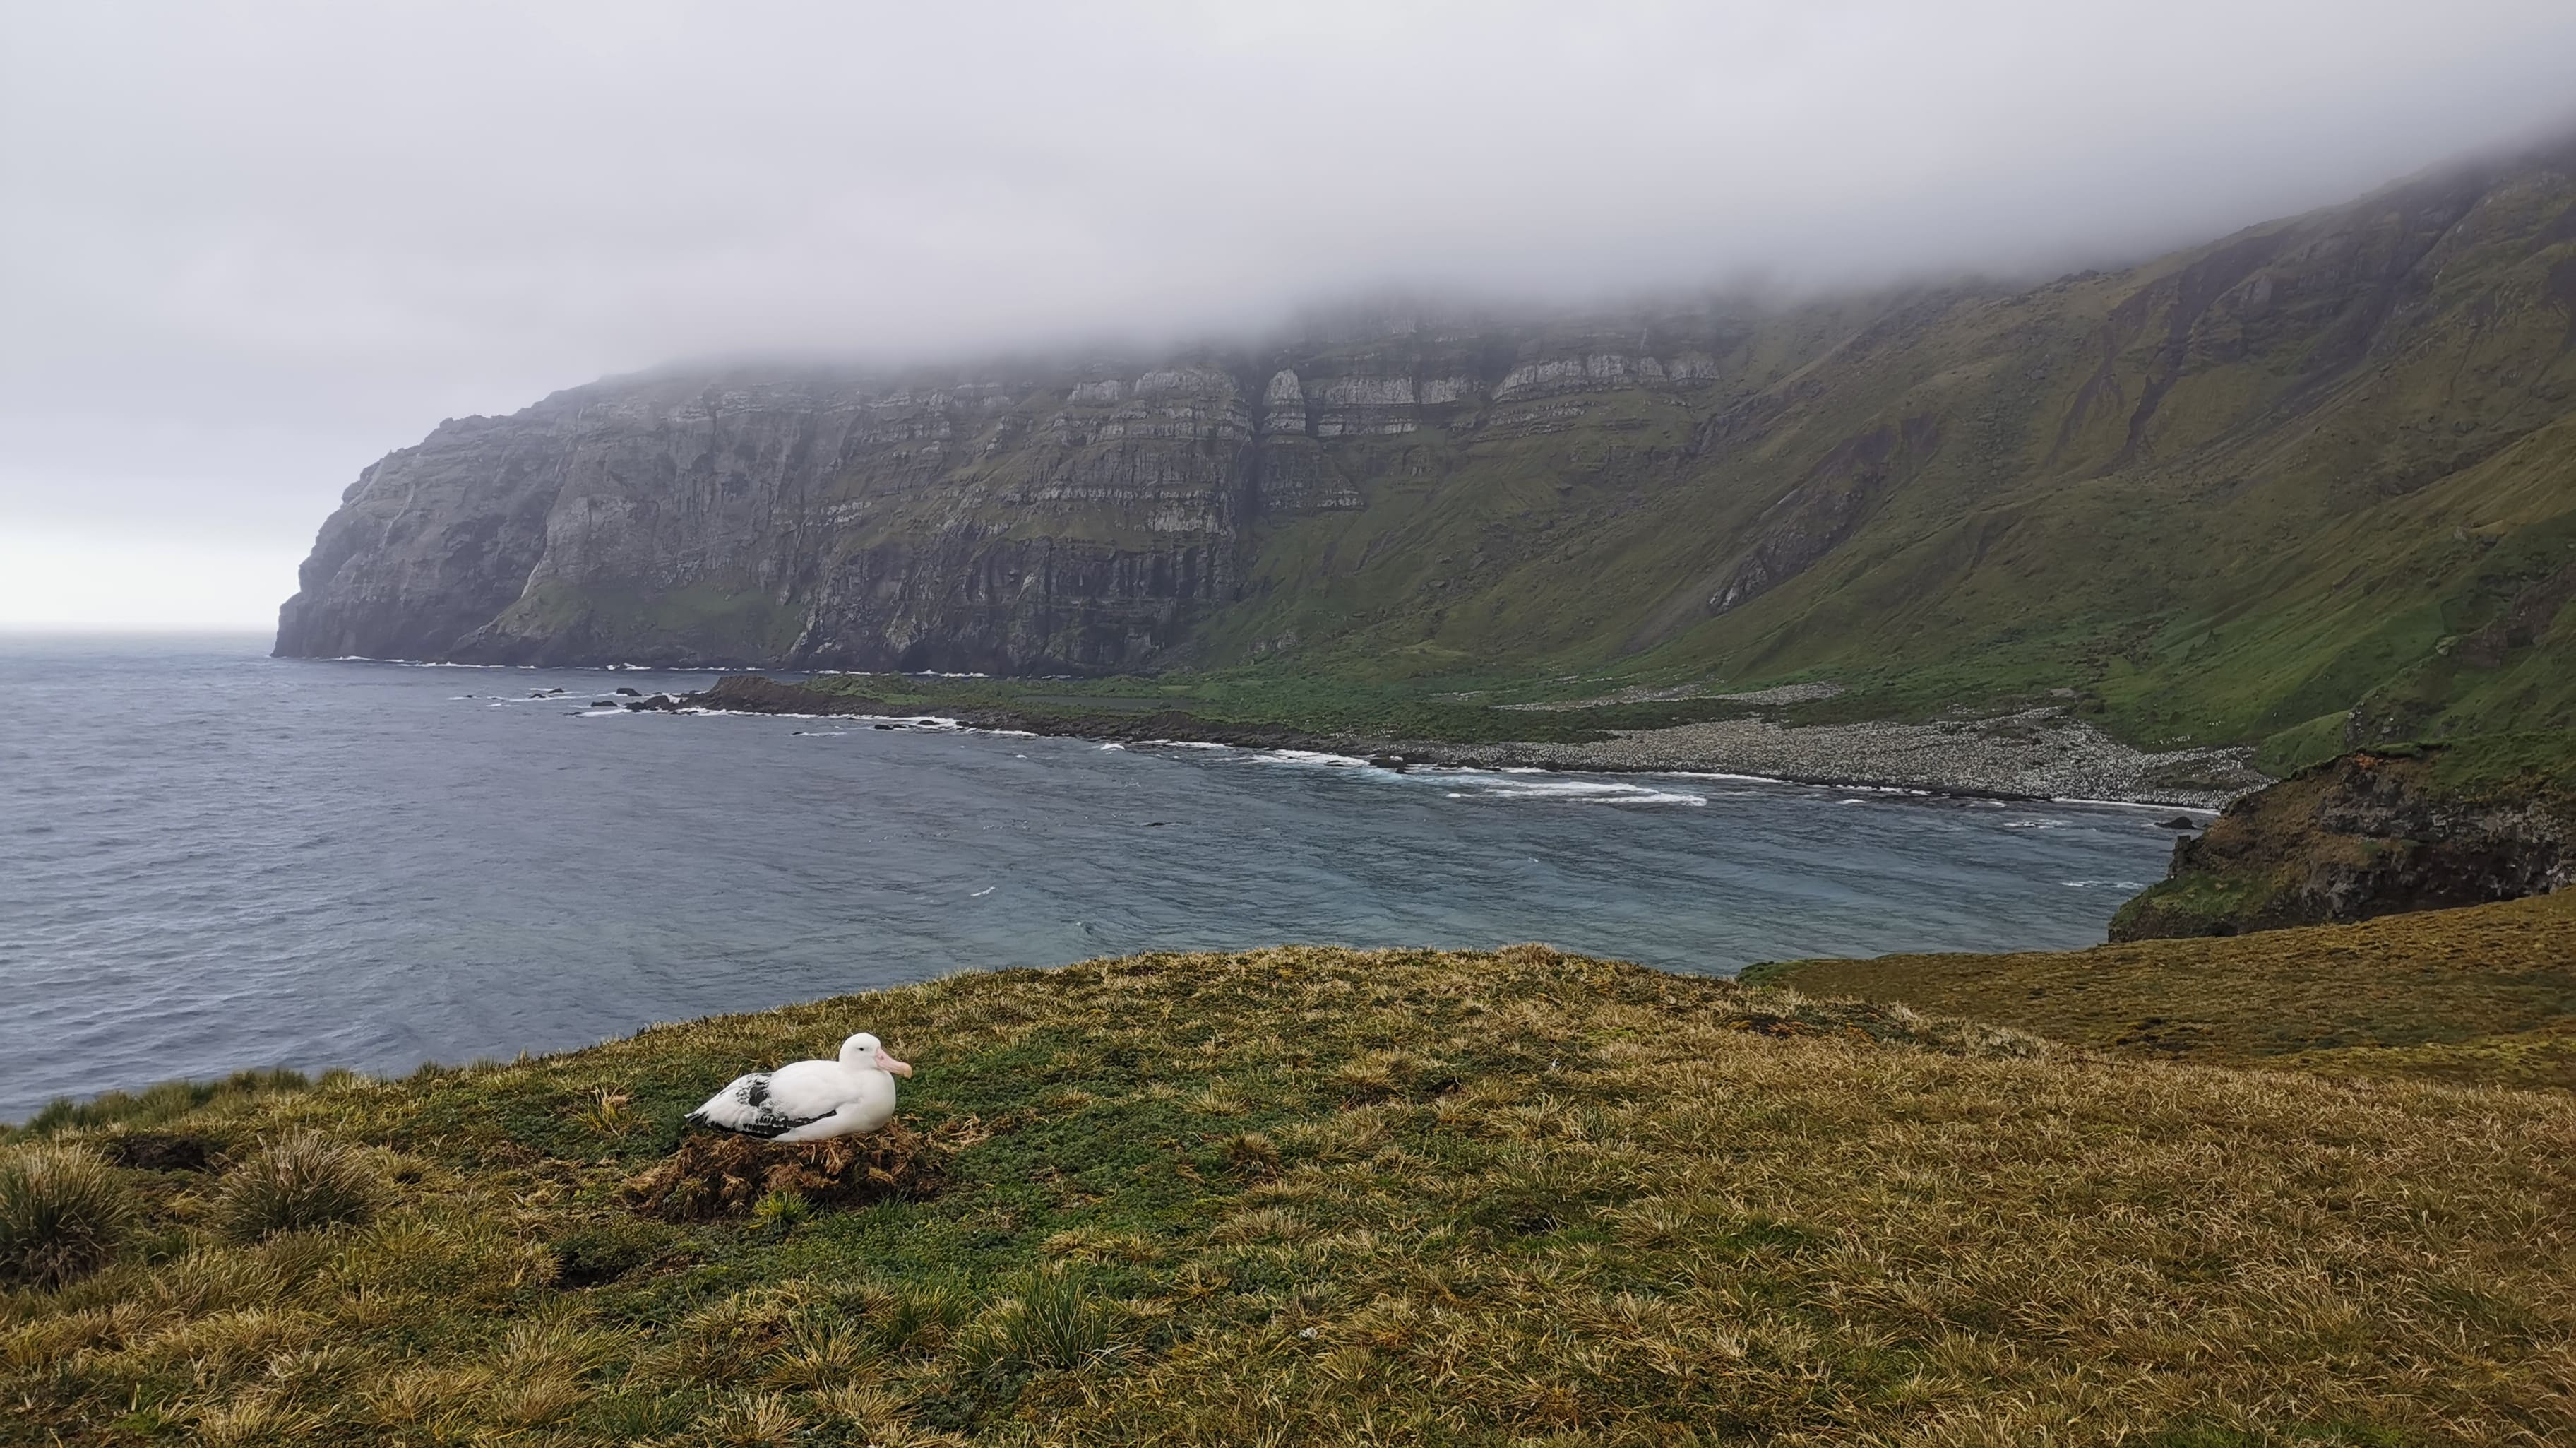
(2325, 465)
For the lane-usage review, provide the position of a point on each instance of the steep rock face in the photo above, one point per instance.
(2363, 835)
(1077, 519)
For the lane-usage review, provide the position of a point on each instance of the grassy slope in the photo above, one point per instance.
(1310, 1195)
(2483, 994)
(2229, 496)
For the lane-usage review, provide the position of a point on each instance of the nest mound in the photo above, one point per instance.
(714, 1175)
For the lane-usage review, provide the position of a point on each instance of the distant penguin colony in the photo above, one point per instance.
(810, 1100)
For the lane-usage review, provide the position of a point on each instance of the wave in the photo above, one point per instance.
(1578, 791)
(1310, 756)
(2190, 809)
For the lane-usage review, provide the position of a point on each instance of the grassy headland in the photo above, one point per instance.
(1312, 1195)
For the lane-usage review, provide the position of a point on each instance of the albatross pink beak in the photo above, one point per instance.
(892, 1066)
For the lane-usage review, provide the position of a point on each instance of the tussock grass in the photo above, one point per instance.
(1052, 1323)
(1308, 1195)
(160, 1104)
(63, 1213)
(300, 1181)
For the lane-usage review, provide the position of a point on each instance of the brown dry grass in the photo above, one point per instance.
(1322, 1196)
(2482, 994)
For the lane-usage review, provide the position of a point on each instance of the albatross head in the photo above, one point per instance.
(864, 1052)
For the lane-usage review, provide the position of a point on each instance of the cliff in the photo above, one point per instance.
(1040, 519)
(2374, 833)
(2307, 486)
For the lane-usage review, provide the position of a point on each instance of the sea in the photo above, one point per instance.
(212, 860)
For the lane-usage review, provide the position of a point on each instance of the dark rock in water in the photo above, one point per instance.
(603, 703)
(881, 726)
(630, 692)
(721, 1175)
(2178, 822)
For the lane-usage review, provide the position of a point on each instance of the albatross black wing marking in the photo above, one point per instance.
(743, 1107)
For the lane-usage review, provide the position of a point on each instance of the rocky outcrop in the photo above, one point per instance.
(2364, 835)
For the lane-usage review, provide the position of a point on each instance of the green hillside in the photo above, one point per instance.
(2328, 463)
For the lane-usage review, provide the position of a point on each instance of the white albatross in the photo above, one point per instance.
(810, 1100)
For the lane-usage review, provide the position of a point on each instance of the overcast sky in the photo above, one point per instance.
(247, 249)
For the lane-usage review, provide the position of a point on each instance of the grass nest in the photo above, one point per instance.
(715, 1175)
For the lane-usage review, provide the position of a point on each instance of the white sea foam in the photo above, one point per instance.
(1578, 791)
(1310, 756)
(1113, 745)
(2131, 885)
(980, 894)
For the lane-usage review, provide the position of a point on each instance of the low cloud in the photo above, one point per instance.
(247, 248)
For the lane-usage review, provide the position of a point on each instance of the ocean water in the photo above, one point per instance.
(210, 860)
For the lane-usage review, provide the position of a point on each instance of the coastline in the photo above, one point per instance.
(2039, 754)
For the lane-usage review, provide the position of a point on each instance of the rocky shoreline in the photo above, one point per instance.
(2038, 754)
